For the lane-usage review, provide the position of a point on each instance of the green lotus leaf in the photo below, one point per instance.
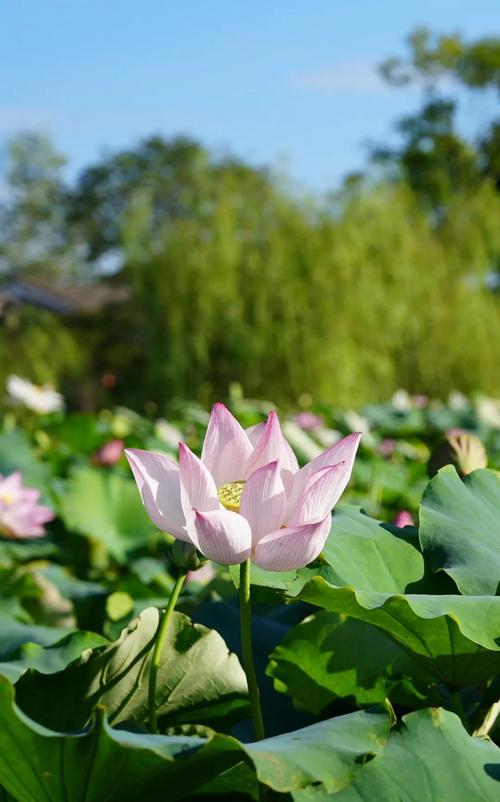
(329, 656)
(38, 764)
(199, 680)
(460, 528)
(52, 658)
(430, 758)
(456, 638)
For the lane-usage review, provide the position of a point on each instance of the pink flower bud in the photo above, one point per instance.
(403, 518)
(109, 454)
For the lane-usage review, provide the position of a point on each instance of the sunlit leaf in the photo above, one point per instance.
(460, 528)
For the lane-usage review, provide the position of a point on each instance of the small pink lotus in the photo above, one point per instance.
(20, 514)
(246, 497)
(109, 454)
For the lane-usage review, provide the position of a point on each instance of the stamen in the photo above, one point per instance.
(230, 495)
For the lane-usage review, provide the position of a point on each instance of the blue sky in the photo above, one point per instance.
(291, 84)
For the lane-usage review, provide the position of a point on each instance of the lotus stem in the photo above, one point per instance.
(457, 707)
(161, 635)
(488, 721)
(247, 650)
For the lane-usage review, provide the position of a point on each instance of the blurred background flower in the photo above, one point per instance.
(20, 514)
(39, 399)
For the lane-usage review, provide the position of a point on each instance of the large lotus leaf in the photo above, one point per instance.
(40, 765)
(107, 508)
(456, 638)
(14, 633)
(37, 764)
(52, 658)
(269, 625)
(326, 753)
(431, 758)
(369, 555)
(460, 528)
(329, 656)
(199, 679)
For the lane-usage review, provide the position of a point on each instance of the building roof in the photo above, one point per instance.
(62, 299)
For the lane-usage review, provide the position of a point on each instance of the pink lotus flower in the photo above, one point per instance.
(20, 514)
(246, 497)
(109, 454)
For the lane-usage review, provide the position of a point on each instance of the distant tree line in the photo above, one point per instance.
(387, 282)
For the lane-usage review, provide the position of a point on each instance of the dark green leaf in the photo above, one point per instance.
(14, 633)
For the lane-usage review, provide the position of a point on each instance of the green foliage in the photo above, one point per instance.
(460, 529)
(127, 766)
(232, 278)
(17, 453)
(106, 508)
(27, 347)
(117, 765)
(431, 757)
(329, 657)
(454, 637)
(199, 680)
(475, 64)
(298, 299)
(52, 657)
(433, 156)
(34, 237)
(372, 619)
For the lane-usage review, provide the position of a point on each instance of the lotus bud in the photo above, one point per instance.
(459, 448)
(185, 556)
(403, 518)
(203, 575)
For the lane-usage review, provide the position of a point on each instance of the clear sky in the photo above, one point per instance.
(281, 82)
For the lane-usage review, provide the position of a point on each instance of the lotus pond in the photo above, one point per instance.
(356, 660)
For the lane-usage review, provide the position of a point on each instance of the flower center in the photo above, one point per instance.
(230, 495)
(6, 498)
